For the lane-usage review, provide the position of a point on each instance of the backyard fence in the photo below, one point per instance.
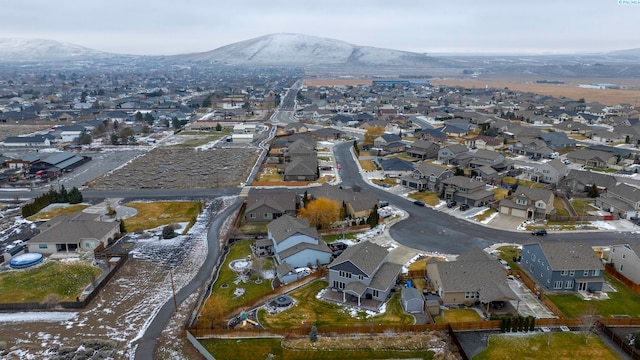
(610, 269)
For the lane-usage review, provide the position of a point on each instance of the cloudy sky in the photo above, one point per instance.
(162, 27)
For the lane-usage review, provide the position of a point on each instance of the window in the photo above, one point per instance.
(621, 267)
(623, 255)
(375, 293)
(338, 284)
(252, 215)
(470, 295)
(564, 272)
(572, 273)
(268, 215)
(42, 246)
(585, 273)
(595, 272)
(533, 257)
(360, 277)
(557, 284)
(568, 284)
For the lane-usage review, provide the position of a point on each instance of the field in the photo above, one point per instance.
(57, 211)
(337, 82)
(570, 89)
(52, 280)
(560, 346)
(309, 310)
(153, 214)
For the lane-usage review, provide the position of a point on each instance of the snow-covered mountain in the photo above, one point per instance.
(304, 50)
(44, 50)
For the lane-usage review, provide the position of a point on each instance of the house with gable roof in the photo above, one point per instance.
(550, 172)
(450, 154)
(363, 272)
(484, 142)
(297, 243)
(466, 190)
(625, 258)
(563, 266)
(592, 158)
(267, 206)
(426, 176)
(423, 149)
(528, 203)
(622, 199)
(578, 181)
(358, 204)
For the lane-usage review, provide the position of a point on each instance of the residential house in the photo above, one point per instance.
(423, 149)
(533, 148)
(359, 204)
(296, 127)
(412, 300)
(297, 243)
(426, 177)
(363, 272)
(625, 258)
(327, 133)
(267, 206)
(434, 135)
(550, 172)
(528, 203)
(302, 168)
(466, 190)
(28, 141)
(474, 277)
(563, 266)
(592, 158)
(487, 157)
(394, 167)
(484, 142)
(578, 181)
(605, 136)
(448, 154)
(557, 140)
(622, 199)
(77, 232)
(389, 143)
(299, 148)
(70, 133)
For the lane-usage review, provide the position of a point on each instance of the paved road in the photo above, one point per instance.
(430, 230)
(147, 342)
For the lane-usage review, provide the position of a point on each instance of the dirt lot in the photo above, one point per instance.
(15, 130)
(175, 168)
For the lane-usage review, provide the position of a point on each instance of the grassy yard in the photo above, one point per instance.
(270, 174)
(228, 278)
(429, 198)
(622, 302)
(339, 237)
(610, 171)
(500, 193)
(485, 214)
(386, 180)
(582, 205)
(254, 227)
(64, 280)
(559, 206)
(562, 345)
(261, 348)
(458, 315)
(309, 310)
(512, 181)
(153, 214)
(367, 165)
(62, 210)
(508, 253)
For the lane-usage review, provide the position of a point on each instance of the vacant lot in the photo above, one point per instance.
(175, 168)
(153, 214)
(15, 130)
(53, 279)
(52, 211)
(560, 345)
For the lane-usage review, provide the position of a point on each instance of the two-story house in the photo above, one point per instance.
(592, 158)
(550, 172)
(267, 206)
(528, 203)
(483, 142)
(466, 190)
(563, 266)
(534, 148)
(388, 143)
(297, 243)
(625, 258)
(622, 199)
(426, 177)
(363, 272)
(455, 154)
(578, 181)
(487, 157)
(423, 149)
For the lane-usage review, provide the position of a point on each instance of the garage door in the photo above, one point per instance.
(504, 210)
(519, 213)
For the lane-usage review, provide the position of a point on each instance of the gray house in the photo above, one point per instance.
(626, 260)
(426, 177)
(286, 273)
(528, 203)
(267, 206)
(448, 153)
(578, 181)
(412, 300)
(622, 199)
(302, 168)
(395, 167)
(297, 243)
(362, 271)
(423, 149)
(550, 172)
(560, 266)
(465, 190)
(592, 158)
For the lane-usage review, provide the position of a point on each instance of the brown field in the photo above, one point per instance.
(570, 89)
(337, 82)
(15, 130)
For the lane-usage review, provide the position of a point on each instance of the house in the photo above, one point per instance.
(302, 168)
(358, 204)
(297, 243)
(77, 232)
(412, 300)
(466, 190)
(578, 181)
(395, 167)
(327, 133)
(483, 142)
(286, 273)
(386, 139)
(448, 154)
(563, 266)
(487, 157)
(57, 163)
(592, 158)
(28, 141)
(299, 148)
(267, 206)
(295, 128)
(363, 272)
(70, 133)
(550, 172)
(557, 140)
(426, 176)
(622, 199)
(533, 148)
(626, 260)
(423, 149)
(474, 277)
(528, 203)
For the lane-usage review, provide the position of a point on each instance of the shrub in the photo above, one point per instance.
(313, 335)
(168, 232)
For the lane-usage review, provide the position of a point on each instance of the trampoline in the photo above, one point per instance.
(283, 300)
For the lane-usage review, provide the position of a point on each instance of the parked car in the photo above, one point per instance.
(539, 232)
(337, 246)
(505, 264)
(419, 203)
(451, 203)
(464, 207)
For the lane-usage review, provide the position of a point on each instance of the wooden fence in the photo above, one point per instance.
(534, 289)
(610, 269)
(621, 342)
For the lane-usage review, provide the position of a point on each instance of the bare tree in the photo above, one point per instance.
(588, 320)
(258, 266)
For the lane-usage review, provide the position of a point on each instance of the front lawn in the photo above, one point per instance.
(562, 345)
(367, 165)
(458, 315)
(53, 280)
(429, 198)
(309, 310)
(582, 206)
(272, 348)
(621, 302)
(559, 206)
(153, 214)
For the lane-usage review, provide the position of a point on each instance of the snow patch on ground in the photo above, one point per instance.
(44, 316)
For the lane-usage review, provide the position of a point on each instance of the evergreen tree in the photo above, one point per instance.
(218, 127)
(355, 147)
(138, 116)
(305, 199)
(75, 196)
(313, 335)
(168, 232)
(148, 118)
(63, 195)
(593, 191)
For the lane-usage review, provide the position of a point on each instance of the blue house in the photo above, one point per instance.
(297, 243)
(563, 266)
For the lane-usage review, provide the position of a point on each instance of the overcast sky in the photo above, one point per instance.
(162, 27)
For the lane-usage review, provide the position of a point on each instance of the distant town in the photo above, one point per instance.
(154, 211)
